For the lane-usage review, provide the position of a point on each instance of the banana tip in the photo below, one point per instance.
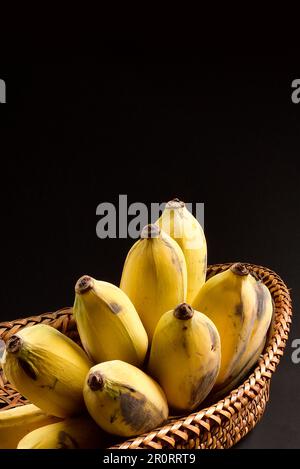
(183, 311)
(95, 381)
(14, 344)
(175, 203)
(239, 269)
(150, 231)
(84, 284)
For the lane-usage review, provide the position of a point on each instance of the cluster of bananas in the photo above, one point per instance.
(164, 339)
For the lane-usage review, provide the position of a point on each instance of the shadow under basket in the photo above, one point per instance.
(220, 425)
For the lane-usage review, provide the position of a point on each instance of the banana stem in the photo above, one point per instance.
(14, 344)
(150, 231)
(175, 203)
(183, 311)
(95, 381)
(84, 284)
(239, 269)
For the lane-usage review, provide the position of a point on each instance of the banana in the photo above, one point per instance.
(48, 368)
(182, 226)
(230, 300)
(108, 324)
(262, 321)
(255, 347)
(154, 276)
(123, 400)
(72, 433)
(185, 356)
(234, 381)
(18, 421)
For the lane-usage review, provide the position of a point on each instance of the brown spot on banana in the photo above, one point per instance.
(114, 416)
(261, 296)
(129, 388)
(50, 386)
(239, 311)
(185, 346)
(203, 386)
(232, 381)
(139, 414)
(244, 342)
(28, 369)
(239, 354)
(213, 336)
(184, 312)
(115, 307)
(176, 262)
(205, 266)
(66, 441)
(174, 257)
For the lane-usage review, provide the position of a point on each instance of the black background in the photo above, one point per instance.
(81, 130)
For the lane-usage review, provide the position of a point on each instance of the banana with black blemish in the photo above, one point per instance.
(72, 433)
(123, 400)
(241, 309)
(262, 321)
(107, 322)
(48, 368)
(181, 225)
(236, 380)
(185, 356)
(154, 276)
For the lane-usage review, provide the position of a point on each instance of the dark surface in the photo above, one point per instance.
(81, 131)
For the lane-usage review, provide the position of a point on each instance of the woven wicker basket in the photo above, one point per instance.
(222, 424)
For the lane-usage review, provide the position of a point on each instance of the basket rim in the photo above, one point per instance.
(222, 409)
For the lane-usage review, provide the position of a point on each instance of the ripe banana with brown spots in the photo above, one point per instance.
(262, 321)
(185, 356)
(72, 433)
(241, 309)
(154, 276)
(108, 324)
(250, 357)
(123, 400)
(236, 380)
(48, 368)
(181, 225)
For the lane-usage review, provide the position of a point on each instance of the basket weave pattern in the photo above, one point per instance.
(222, 424)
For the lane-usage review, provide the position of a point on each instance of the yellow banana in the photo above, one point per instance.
(48, 368)
(154, 276)
(236, 380)
(108, 324)
(72, 433)
(229, 299)
(182, 226)
(263, 317)
(257, 340)
(18, 421)
(185, 356)
(123, 400)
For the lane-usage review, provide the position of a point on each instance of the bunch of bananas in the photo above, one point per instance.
(164, 338)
